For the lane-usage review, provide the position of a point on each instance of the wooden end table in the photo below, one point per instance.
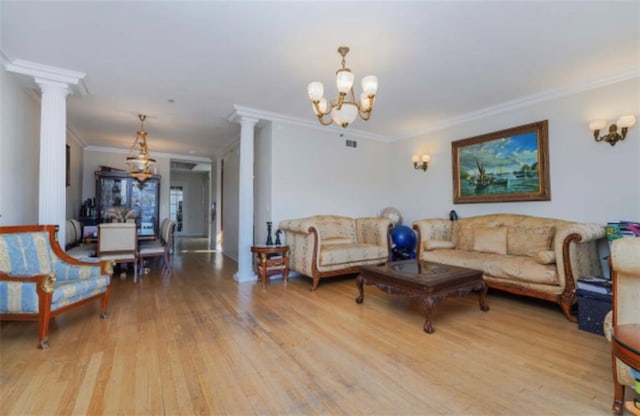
(271, 260)
(625, 346)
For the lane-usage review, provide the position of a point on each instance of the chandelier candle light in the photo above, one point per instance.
(344, 109)
(140, 163)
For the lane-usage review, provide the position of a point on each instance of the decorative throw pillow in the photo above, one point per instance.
(462, 236)
(527, 241)
(337, 229)
(545, 257)
(490, 240)
(436, 244)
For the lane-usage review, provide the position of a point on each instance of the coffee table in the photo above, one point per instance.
(429, 282)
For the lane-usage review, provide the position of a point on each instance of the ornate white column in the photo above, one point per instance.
(54, 84)
(245, 203)
(52, 194)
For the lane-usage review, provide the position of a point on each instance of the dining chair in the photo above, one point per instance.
(625, 264)
(160, 247)
(118, 243)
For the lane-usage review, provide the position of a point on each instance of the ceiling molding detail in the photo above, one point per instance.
(547, 95)
(267, 115)
(75, 137)
(187, 158)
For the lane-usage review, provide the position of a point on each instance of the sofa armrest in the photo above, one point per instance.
(70, 268)
(432, 229)
(301, 225)
(43, 281)
(374, 230)
(577, 252)
(302, 238)
(67, 271)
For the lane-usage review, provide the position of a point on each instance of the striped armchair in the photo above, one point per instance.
(39, 281)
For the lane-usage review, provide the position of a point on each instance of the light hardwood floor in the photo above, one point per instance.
(198, 342)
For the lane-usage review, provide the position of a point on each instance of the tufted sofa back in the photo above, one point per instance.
(334, 229)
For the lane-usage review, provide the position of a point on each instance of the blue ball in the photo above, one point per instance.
(403, 237)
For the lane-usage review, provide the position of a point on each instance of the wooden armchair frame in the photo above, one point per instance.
(44, 285)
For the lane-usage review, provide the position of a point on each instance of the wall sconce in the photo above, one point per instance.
(612, 138)
(421, 162)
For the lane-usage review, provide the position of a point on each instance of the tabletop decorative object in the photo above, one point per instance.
(269, 237)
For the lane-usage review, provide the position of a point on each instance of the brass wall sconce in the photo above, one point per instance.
(613, 136)
(421, 162)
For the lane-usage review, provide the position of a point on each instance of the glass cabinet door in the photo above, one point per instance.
(120, 198)
(144, 199)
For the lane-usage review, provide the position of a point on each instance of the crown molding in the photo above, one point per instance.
(186, 158)
(567, 90)
(242, 111)
(71, 133)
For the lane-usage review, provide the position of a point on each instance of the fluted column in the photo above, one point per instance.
(55, 85)
(245, 203)
(52, 195)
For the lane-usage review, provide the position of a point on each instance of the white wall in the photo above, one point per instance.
(592, 182)
(196, 200)
(315, 173)
(230, 203)
(262, 184)
(19, 152)
(94, 158)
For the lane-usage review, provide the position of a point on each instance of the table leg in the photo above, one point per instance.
(428, 324)
(360, 286)
(263, 263)
(483, 297)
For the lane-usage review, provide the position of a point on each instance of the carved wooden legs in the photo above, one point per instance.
(618, 389)
(316, 281)
(104, 303)
(483, 297)
(360, 286)
(428, 324)
(44, 315)
(566, 303)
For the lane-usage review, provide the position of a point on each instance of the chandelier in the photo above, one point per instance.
(344, 109)
(138, 158)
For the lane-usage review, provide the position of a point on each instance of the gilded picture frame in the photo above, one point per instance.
(510, 165)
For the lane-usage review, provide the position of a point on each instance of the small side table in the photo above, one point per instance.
(625, 345)
(271, 260)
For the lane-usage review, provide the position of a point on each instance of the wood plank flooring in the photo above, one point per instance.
(197, 342)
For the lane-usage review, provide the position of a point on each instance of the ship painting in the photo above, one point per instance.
(502, 166)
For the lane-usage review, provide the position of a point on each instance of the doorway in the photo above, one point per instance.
(176, 208)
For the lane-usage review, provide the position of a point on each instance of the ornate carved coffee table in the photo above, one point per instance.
(430, 282)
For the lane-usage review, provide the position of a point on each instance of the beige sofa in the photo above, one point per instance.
(528, 255)
(330, 245)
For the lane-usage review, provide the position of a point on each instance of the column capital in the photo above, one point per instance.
(241, 116)
(48, 86)
(47, 74)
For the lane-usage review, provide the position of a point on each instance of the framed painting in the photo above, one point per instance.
(509, 165)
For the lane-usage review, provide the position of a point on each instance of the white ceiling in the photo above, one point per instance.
(437, 62)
